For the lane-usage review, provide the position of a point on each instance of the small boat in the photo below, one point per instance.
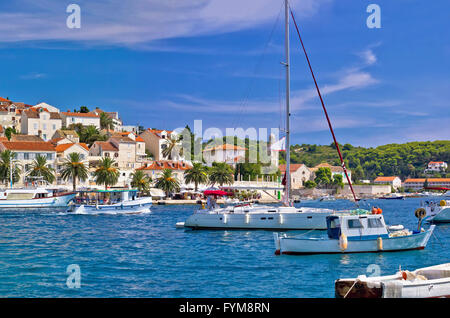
(428, 282)
(355, 233)
(34, 198)
(393, 196)
(112, 201)
(327, 198)
(436, 212)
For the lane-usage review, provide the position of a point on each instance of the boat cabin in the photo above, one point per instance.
(106, 197)
(24, 194)
(357, 227)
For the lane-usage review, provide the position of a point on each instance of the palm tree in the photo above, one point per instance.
(106, 173)
(6, 161)
(141, 181)
(40, 168)
(106, 122)
(167, 182)
(221, 173)
(74, 168)
(173, 146)
(197, 174)
(90, 134)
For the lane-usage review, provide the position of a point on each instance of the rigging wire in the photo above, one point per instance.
(242, 110)
(324, 109)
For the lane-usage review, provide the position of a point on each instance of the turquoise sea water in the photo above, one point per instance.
(146, 256)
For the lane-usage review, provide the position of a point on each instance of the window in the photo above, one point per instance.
(375, 223)
(35, 126)
(106, 154)
(54, 127)
(26, 155)
(49, 156)
(354, 224)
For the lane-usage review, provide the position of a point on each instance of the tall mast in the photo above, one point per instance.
(288, 150)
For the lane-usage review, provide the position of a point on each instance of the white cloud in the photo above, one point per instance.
(134, 22)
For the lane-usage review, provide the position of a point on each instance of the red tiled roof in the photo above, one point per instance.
(28, 146)
(105, 145)
(225, 147)
(293, 167)
(430, 180)
(166, 164)
(4, 99)
(327, 165)
(64, 147)
(432, 162)
(71, 114)
(385, 179)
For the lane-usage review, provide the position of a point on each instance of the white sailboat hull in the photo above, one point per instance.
(46, 203)
(261, 218)
(298, 245)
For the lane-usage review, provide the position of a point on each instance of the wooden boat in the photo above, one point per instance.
(354, 233)
(113, 201)
(428, 282)
(393, 196)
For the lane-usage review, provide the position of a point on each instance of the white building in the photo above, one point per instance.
(299, 174)
(86, 119)
(334, 171)
(394, 181)
(227, 153)
(40, 122)
(436, 166)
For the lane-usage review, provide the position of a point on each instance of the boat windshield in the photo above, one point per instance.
(333, 227)
(104, 197)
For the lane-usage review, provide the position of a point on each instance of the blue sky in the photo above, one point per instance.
(164, 64)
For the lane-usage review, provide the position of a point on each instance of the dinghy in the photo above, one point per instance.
(428, 282)
(354, 233)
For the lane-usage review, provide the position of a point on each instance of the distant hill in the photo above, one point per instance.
(404, 160)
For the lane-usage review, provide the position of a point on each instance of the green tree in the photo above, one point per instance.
(6, 162)
(323, 177)
(337, 181)
(309, 184)
(40, 168)
(106, 173)
(221, 173)
(167, 182)
(198, 174)
(84, 109)
(9, 132)
(74, 168)
(106, 122)
(141, 181)
(425, 184)
(90, 134)
(246, 170)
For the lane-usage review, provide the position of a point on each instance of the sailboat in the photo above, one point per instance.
(254, 216)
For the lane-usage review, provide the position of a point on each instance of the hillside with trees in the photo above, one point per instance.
(404, 160)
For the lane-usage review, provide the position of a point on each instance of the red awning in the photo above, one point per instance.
(215, 192)
(437, 188)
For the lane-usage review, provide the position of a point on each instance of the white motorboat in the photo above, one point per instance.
(113, 201)
(327, 198)
(34, 198)
(354, 233)
(250, 216)
(436, 212)
(428, 282)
